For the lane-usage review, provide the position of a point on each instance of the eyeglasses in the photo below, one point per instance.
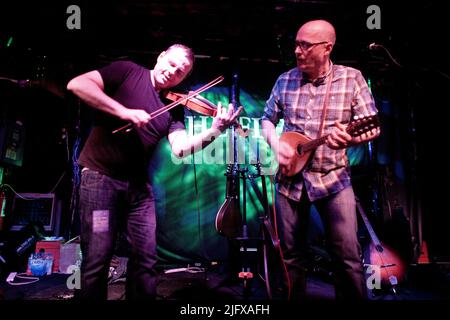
(305, 46)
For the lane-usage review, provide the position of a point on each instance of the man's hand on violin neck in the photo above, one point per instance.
(224, 118)
(137, 116)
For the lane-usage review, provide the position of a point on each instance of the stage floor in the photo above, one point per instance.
(425, 282)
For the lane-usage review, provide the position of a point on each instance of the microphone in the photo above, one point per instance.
(374, 46)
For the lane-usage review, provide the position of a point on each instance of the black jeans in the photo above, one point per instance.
(338, 214)
(104, 203)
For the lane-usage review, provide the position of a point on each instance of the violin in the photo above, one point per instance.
(180, 99)
(193, 102)
(204, 107)
(197, 104)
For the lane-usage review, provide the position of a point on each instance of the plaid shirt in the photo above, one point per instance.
(300, 102)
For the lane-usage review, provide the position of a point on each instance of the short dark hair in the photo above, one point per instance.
(186, 49)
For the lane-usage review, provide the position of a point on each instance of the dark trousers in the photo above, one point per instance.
(104, 203)
(338, 215)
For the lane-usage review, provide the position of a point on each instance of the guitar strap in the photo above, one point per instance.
(325, 103)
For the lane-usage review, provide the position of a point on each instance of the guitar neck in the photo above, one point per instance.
(370, 230)
(370, 122)
(311, 145)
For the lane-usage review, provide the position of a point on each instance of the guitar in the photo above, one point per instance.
(392, 268)
(228, 219)
(229, 222)
(305, 146)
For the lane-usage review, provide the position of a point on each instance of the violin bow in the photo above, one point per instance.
(158, 112)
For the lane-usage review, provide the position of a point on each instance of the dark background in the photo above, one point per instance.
(255, 38)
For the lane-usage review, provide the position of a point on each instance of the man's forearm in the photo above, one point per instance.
(184, 145)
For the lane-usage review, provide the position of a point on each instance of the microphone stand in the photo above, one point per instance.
(237, 172)
(240, 173)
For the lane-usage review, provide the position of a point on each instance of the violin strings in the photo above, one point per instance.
(193, 94)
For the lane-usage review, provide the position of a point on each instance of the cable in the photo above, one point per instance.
(15, 192)
(390, 56)
(66, 142)
(71, 240)
(76, 179)
(195, 270)
(188, 270)
(198, 206)
(25, 198)
(66, 139)
(13, 276)
(417, 67)
(57, 183)
(286, 273)
(197, 202)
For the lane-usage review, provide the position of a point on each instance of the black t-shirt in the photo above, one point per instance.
(125, 156)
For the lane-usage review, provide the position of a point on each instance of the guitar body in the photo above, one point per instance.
(228, 218)
(296, 141)
(305, 146)
(390, 264)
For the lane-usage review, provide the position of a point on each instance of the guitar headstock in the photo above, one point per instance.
(363, 124)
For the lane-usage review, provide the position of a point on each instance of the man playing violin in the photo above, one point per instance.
(114, 180)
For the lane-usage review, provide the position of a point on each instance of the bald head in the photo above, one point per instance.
(319, 29)
(313, 45)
